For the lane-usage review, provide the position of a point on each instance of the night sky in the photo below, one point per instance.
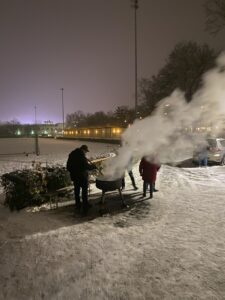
(87, 48)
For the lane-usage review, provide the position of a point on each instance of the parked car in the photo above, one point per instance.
(216, 151)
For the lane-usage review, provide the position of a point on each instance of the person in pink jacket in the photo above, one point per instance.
(148, 170)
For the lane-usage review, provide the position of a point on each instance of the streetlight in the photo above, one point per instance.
(62, 89)
(134, 4)
(37, 149)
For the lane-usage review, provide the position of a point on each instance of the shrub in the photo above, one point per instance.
(31, 186)
(56, 178)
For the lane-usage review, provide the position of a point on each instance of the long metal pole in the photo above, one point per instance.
(62, 89)
(37, 149)
(135, 6)
(35, 115)
(135, 53)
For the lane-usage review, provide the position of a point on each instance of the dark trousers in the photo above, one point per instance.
(81, 184)
(203, 162)
(132, 179)
(145, 186)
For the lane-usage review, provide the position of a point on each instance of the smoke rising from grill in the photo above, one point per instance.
(168, 132)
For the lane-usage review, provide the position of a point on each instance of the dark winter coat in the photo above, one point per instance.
(148, 170)
(78, 165)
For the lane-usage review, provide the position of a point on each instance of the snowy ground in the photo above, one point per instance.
(169, 247)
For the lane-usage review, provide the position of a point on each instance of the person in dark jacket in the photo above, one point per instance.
(78, 166)
(148, 170)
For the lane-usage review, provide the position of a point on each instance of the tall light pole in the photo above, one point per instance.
(134, 4)
(62, 89)
(37, 149)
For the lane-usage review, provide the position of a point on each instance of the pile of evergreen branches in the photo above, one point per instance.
(31, 187)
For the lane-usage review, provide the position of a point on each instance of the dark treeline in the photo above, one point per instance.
(15, 129)
(120, 117)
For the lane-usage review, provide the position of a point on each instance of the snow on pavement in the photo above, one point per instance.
(170, 247)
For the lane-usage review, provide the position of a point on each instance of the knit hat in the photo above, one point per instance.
(85, 148)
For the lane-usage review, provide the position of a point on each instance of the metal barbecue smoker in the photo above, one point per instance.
(108, 185)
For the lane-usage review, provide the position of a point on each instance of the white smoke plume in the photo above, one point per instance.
(169, 133)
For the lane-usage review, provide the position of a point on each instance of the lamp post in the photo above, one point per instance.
(135, 6)
(62, 89)
(37, 149)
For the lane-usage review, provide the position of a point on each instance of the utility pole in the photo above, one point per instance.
(134, 4)
(37, 149)
(62, 89)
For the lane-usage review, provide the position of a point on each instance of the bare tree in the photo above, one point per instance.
(215, 15)
(184, 68)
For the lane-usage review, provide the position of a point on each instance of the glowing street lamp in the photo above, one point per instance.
(18, 132)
